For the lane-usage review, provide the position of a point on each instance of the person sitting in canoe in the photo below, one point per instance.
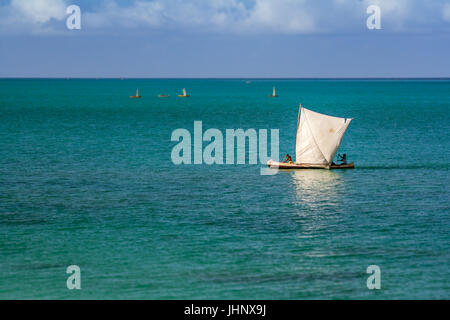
(287, 159)
(342, 159)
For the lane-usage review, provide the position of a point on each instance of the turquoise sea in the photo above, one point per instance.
(86, 179)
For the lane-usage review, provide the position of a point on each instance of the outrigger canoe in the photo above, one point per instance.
(184, 95)
(137, 96)
(274, 94)
(318, 139)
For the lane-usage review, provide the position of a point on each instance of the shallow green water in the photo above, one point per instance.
(86, 178)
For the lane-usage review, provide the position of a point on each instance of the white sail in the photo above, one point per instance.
(184, 91)
(318, 137)
(273, 92)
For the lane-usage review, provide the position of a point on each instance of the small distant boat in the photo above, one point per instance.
(137, 95)
(248, 82)
(274, 94)
(163, 95)
(184, 95)
(318, 139)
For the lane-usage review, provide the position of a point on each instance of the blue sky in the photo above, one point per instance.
(225, 38)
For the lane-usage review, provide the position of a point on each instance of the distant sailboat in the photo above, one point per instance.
(163, 95)
(274, 94)
(137, 95)
(318, 139)
(184, 95)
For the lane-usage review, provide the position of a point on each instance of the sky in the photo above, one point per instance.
(225, 38)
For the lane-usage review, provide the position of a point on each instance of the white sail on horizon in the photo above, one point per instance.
(318, 137)
(184, 91)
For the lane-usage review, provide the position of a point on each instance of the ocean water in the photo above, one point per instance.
(86, 179)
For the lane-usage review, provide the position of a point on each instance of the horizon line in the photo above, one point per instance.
(235, 78)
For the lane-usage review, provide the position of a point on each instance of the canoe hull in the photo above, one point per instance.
(282, 165)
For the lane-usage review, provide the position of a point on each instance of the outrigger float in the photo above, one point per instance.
(318, 139)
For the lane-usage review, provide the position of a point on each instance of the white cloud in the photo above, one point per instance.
(141, 13)
(226, 16)
(31, 16)
(446, 12)
(40, 11)
(285, 16)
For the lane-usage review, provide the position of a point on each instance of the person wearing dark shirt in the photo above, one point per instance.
(287, 159)
(343, 158)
